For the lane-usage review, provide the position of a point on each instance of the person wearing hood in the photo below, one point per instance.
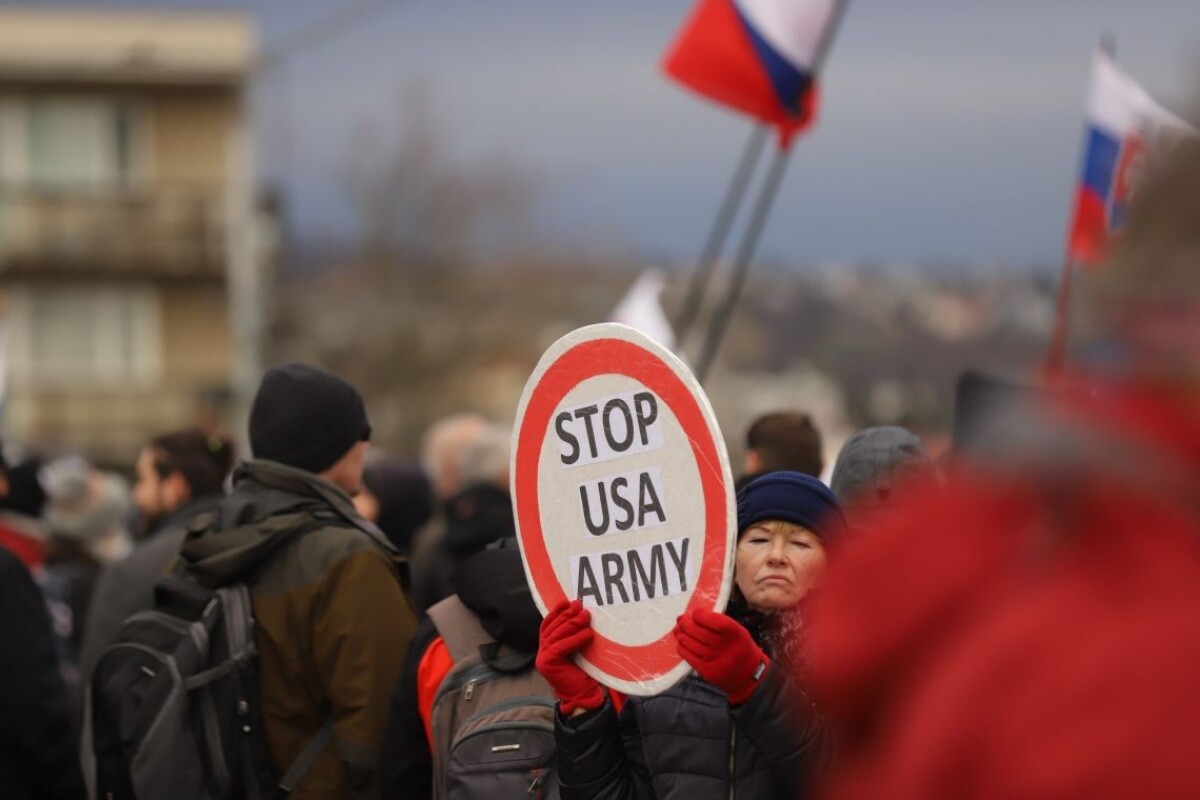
(332, 618)
(398, 497)
(740, 724)
(490, 589)
(179, 475)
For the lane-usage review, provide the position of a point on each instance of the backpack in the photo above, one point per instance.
(493, 716)
(173, 708)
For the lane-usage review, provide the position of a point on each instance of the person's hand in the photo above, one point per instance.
(722, 652)
(565, 631)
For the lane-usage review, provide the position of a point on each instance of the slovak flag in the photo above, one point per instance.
(758, 56)
(1126, 130)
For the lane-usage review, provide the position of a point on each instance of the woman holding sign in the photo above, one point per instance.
(739, 724)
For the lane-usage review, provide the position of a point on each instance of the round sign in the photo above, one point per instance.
(623, 499)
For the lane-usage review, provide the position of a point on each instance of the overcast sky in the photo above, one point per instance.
(950, 129)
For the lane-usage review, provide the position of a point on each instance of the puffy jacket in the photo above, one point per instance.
(333, 621)
(688, 743)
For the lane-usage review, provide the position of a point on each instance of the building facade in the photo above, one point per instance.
(119, 174)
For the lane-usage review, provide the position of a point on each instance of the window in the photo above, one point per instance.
(69, 142)
(84, 334)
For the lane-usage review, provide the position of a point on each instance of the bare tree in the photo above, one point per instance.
(418, 203)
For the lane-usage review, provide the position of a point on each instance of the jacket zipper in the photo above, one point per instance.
(732, 760)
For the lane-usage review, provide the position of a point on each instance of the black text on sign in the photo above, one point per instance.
(632, 575)
(627, 502)
(608, 428)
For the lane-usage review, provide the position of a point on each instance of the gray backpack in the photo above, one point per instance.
(493, 717)
(173, 712)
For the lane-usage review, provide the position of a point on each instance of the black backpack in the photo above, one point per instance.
(174, 708)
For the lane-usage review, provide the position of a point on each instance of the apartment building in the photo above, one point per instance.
(120, 135)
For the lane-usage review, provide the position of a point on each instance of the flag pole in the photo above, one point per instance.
(1056, 355)
(715, 243)
(745, 253)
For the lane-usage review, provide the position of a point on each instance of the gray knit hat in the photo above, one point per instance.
(874, 462)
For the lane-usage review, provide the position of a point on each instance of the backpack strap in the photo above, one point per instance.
(307, 758)
(239, 631)
(459, 628)
(506, 659)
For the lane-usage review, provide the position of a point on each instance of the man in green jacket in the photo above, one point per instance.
(328, 589)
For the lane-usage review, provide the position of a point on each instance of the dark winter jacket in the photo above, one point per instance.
(687, 742)
(332, 619)
(69, 581)
(39, 759)
(126, 587)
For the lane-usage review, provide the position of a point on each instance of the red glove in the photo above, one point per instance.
(722, 652)
(565, 631)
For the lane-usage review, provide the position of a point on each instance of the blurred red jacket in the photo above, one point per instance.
(1033, 629)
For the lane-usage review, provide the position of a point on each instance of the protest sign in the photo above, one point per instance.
(623, 498)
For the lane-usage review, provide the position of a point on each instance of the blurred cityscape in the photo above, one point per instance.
(146, 280)
(853, 345)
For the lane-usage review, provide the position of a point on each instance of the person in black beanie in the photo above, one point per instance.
(307, 418)
(333, 620)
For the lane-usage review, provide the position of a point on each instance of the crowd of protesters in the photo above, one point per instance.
(1017, 618)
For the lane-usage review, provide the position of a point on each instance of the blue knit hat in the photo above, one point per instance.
(790, 497)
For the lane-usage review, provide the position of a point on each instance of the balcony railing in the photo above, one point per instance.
(156, 233)
(111, 425)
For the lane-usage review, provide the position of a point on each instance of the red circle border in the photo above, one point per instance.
(620, 357)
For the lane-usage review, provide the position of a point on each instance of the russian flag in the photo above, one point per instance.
(1125, 128)
(758, 56)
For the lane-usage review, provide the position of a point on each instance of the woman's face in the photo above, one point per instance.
(777, 564)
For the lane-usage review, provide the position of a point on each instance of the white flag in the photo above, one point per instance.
(641, 308)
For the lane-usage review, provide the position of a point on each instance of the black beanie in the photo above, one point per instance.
(25, 493)
(306, 417)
